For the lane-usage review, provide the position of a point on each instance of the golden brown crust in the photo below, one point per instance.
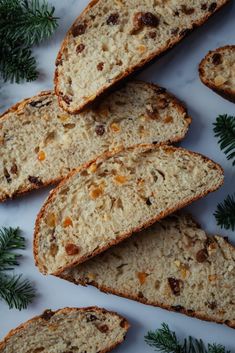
(106, 155)
(67, 310)
(228, 94)
(20, 105)
(175, 40)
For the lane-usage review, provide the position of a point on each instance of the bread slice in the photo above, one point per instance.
(68, 330)
(112, 38)
(172, 264)
(40, 144)
(100, 205)
(217, 71)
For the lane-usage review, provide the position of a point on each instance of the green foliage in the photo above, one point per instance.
(17, 292)
(224, 129)
(225, 213)
(10, 239)
(23, 23)
(165, 340)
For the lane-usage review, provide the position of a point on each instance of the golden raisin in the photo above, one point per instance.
(72, 249)
(92, 168)
(168, 120)
(63, 117)
(95, 193)
(212, 278)
(115, 127)
(142, 276)
(41, 156)
(67, 222)
(120, 179)
(142, 49)
(51, 220)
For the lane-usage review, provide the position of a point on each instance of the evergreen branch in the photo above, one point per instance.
(165, 340)
(10, 239)
(23, 23)
(17, 292)
(225, 213)
(224, 129)
(33, 24)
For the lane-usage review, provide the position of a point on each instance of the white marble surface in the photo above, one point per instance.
(176, 71)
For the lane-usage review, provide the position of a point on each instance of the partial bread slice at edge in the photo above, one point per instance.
(111, 39)
(101, 204)
(173, 265)
(65, 329)
(40, 143)
(217, 71)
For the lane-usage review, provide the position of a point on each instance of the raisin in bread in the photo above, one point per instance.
(174, 265)
(68, 330)
(40, 143)
(217, 71)
(112, 38)
(100, 205)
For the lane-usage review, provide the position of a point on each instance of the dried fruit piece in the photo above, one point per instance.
(96, 192)
(47, 315)
(92, 168)
(63, 117)
(217, 59)
(113, 19)
(142, 49)
(187, 10)
(152, 35)
(142, 19)
(79, 29)
(71, 249)
(115, 127)
(212, 278)
(212, 7)
(100, 130)
(175, 285)
(91, 318)
(212, 305)
(201, 255)
(80, 48)
(100, 66)
(51, 220)
(67, 99)
(41, 156)
(168, 120)
(103, 328)
(67, 222)
(120, 179)
(142, 276)
(35, 180)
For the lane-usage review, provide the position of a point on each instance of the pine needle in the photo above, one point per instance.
(23, 23)
(224, 129)
(225, 213)
(165, 340)
(14, 290)
(17, 292)
(10, 239)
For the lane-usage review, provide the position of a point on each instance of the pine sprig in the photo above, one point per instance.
(23, 23)
(14, 290)
(17, 292)
(224, 129)
(10, 239)
(225, 213)
(166, 341)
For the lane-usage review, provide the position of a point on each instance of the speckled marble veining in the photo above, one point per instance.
(177, 71)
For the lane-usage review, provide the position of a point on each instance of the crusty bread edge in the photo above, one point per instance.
(228, 94)
(182, 310)
(125, 235)
(67, 310)
(178, 104)
(175, 40)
